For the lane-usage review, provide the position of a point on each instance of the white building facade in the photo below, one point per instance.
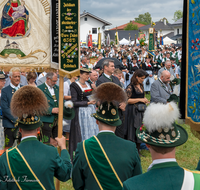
(90, 22)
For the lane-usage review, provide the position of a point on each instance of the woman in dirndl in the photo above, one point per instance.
(149, 69)
(134, 116)
(83, 126)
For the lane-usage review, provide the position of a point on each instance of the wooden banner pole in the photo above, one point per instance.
(60, 118)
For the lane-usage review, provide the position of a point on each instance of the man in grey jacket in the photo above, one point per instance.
(160, 89)
(167, 67)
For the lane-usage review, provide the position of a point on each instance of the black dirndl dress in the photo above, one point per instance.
(133, 117)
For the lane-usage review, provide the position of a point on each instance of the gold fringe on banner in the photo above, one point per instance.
(28, 68)
(69, 75)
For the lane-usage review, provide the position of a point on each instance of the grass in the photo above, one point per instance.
(187, 155)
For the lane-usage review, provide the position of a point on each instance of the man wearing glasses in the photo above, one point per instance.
(49, 130)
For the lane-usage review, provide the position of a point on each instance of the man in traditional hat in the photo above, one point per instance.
(105, 161)
(10, 131)
(162, 135)
(32, 164)
(50, 120)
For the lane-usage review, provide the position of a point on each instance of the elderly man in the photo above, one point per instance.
(168, 67)
(162, 135)
(84, 62)
(10, 131)
(160, 89)
(93, 77)
(50, 120)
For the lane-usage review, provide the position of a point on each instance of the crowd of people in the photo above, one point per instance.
(106, 117)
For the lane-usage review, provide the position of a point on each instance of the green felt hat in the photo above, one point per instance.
(173, 97)
(175, 81)
(167, 137)
(2, 75)
(29, 123)
(161, 130)
(108, 113)
(109, 95)
(68, 111)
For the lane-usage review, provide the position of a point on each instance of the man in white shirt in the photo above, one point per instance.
(162, 135)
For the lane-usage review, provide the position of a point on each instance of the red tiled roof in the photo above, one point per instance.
(124, 25)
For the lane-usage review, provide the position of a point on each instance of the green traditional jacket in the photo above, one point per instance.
(122, 154)
(165, 176)
(43, 160)
(49, 117)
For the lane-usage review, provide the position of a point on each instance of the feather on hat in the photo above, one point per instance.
(160, 116)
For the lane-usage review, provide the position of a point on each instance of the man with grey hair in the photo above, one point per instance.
(23, 80)
(10, 131)
(84, 62)
(93, 77)
(160, 89)
(167, 67)
(107, 76)
(50, 120)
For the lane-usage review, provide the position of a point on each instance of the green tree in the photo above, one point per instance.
(177, 15)
(144, 18)
(131, 26)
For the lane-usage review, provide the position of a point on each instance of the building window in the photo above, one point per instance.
(94, 31)
(85, 18)
(177, 31)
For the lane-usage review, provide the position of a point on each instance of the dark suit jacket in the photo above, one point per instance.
(44, 161)
(122, 154)
(103, 79)
(6, 96)
(49, 117)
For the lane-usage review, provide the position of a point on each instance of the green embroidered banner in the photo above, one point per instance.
(69, 22)
(151, 39)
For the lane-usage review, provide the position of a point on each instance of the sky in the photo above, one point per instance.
(120, 12)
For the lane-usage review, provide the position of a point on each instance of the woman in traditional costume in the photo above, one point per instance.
(9, 25)
(147, 66)
(83, 126)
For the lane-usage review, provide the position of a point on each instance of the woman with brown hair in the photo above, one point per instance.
(136, 106)
(31, 77)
